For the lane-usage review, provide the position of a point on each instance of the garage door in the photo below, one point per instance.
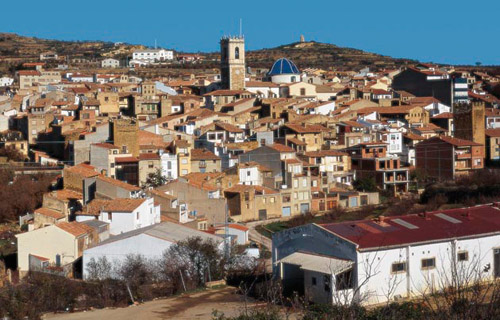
(286, 212)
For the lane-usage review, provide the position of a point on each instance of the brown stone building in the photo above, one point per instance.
(469, 122)
(126, 136)
(445, 158)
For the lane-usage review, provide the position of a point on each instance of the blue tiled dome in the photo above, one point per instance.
(283, 66)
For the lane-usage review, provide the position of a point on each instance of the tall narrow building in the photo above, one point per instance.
(468, 122)
(232, 63)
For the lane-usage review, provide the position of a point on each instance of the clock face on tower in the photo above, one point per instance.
(237, 71)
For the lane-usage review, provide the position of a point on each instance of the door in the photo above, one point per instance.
(286, 211)
(262, 214)
(496, 263)
(304, 208)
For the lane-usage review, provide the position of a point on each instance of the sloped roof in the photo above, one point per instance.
(419, 228)
(75, 228)
(168, 231)
(49, 213)
(203, 154)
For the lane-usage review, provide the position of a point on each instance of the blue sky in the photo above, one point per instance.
(446, 31)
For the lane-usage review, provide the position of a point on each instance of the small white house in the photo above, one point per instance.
(110, 63)
(239, 231)
(150, 242)
(123, 215)
(394, 139)
(168, 165)
(375, 261)
(6, 81)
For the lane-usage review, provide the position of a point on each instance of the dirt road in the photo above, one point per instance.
(198, 305)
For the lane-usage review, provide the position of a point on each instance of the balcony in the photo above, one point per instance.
(463, 155)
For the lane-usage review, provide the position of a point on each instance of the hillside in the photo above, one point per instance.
(15, 46)
(322, 55)
(15, 49)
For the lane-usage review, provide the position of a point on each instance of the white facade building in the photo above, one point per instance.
(151, 55)
(394, 139)
(168, 165)
(110, 63)
(373, 261)
(6, 81)
(150, 242)
(124, 215)
(250, 175)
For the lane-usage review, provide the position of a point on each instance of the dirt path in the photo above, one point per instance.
(198, 305)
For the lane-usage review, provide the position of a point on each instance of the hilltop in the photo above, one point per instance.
(16, 46)
(323, 55)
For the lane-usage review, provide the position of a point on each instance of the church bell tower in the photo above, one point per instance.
(232, 50)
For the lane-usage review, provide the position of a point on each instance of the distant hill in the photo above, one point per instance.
(304, 54)
(323, 55)
(320, 55)
(16, 46)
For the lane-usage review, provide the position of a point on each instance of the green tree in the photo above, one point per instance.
(155, 179)
(367, 184)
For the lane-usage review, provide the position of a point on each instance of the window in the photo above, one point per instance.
(112, 165)
(295, 183)
(137, 215)
(313, 281)
(184, 161)
(110, 216)
(184, 172)
(247, 196)
(169, 165)
(398, 267)
(429, 263)
(272, 199)
(304, 182)
(463, 256)
(150, 164)
(237, 53)
(248, 173)
(302, 91)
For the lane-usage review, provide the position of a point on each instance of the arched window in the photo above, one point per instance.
(237, 53)
(293, 79)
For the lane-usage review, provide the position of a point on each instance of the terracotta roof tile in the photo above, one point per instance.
(203, 154)
(49, 213)
(75, 228)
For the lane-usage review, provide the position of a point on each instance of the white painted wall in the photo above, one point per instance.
(249, 176)
(116, 252)
(46, 242)
(144, 215)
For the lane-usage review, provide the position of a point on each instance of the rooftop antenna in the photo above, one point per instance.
(241, 27)
(155, 43)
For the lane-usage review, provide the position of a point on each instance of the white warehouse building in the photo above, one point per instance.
(373, 261)
(151, 55)
(149, 242)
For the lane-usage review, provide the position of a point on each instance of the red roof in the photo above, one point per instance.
(126, 159)
(281, 148)
(149, 156)
(459, 142)
(420, 228)
(444, 115)
(493, 132)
